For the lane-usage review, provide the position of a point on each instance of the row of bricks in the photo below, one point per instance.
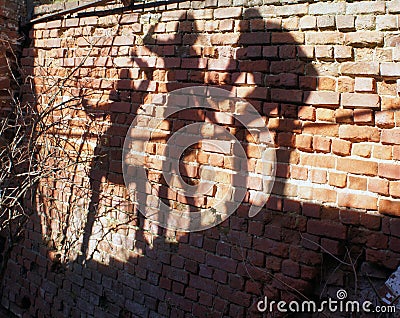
(307, 143)
(161, 79)
(351, 39)
(333, 220)
(358, 199)
(316, 98)
(336, 179)
(290, 112)
(341, 8)
(197, 56)
(306, 25)
(324, 194)
(290, 128)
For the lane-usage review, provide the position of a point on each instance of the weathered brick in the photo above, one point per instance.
(389, 170)
(389, 207)
(326, 228)
(360, 100)
(322, 8)
(325, 114)
(378, 185)
(326, 22)
(362, 150)
(358, 201)
(324, 51)
(393, 6)
(308, 22)
(341, 147)
(292, 10)
(363, 116)
(321, 98)
(226, 13)
(364, 84)
(362, 7)
(337, 179)
(343, 52)
(390, 69)
(325, 37)
(345, 22)
(359, 133)
(357, 166)
(386, 22)
(359, 68)
(391, 136)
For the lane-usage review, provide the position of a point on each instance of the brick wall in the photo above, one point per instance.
(323, 75)
(10, 14)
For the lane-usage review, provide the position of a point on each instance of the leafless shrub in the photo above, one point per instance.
(34, 155)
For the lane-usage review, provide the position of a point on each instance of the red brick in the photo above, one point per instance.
(290, 268)
(326, 37)
(364, 38)
(394, 244)
(304, 142)
(364, 84)
(371, 221)
(318, 176)
(357, 166)
(359, 68)
(394, 189)
(382, 152)
(299, 173)
(324, 130)
(337, 179)
(390, 69)
(391, 136)
(342, 52)
(344, 115)
(357, 183)
(359, 133)
(360, 100)
(226, 13)
(255, 38)
(224, 39)
(377, 241)
(287, 96)
(222, 64)
(295, 67)
(320, 161)
(350, 217)
(321, 98)
(324, 114)
(308, 83)
(390, 103)
(384, 258)
(331, 246)
(384, 119)
(327, 228)
(362, 150)
(321, 144)
(377, 185)
(358, 201)
(389, 207)
(341, 147)
(307, 113)
(389, 170)
(363, 116)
